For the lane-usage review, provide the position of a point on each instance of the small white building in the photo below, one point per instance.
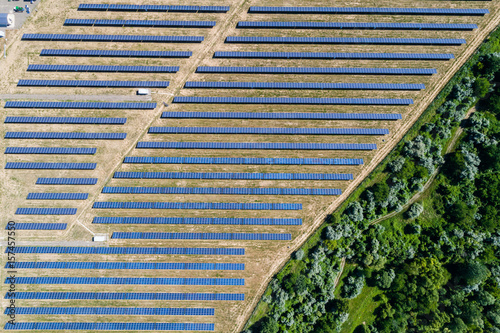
(100, 238)
(6, 20)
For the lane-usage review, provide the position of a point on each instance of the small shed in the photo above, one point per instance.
(6, 20)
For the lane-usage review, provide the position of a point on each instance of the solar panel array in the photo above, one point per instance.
(195, 220)
(355, 25)
(144, 296)
(283, 115)
(65, 135)
(115, 53)
(48, 150)
(251, 145)
(268, 131)
(128, 250)
(221, 190)
(57, 196)
(368, 10)
(315, 70)
(46, 211)
(153, 8)
(199, 235)
(113, 280)
(115, 311)
(140, 23)
(333, 55)
(125, 265)
(297, 85)
(236, 160)
(292, 100)
(66, 181)
(341, 40)
(196, 205)
(39, 226)
(102, 68)
(48, 166)
(78, 105)
(65, 120)
(110, 326)
(233, 175)
(94, 84)
(114, 38)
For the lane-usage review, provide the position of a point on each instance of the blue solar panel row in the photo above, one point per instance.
(48, 150)
(297, 85)
(114, 38)
(66, 181)
(341, 40)
(355, 25)
(65, 135)
(115, 53)
(56, 166)
(112, 280)
(204, 236)
(153, 8)
(57, 196)
(110, 326)
(195, 220)
(39, 226)
(128, 250)
(332, 55)
(144, 296)
(233, 175)
(196, 205)
(141, 23)
(46, 211)
(283, 115)
(368, 10)
(115, 311)
(65, 120)
(77, 105)
(293, 100)
(127, 265)
(103, 68)
(92, 83)
(314, 70)
(251, 145)
(268, 131)
(221, 190)
(241, 160)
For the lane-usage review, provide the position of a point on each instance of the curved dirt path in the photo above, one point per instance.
(282, 256)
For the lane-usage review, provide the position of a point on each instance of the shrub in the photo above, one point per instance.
(299, 254)
(414, 211)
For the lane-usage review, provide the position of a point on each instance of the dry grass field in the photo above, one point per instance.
(262, 258)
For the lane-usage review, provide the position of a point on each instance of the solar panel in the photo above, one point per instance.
(195, 220)
(220, 191)
(57, 196)
(92, 83)
(48, 150)
(128, 281)
(297, 85)
(77, 105)
(209, 236)
(195, 205)
(106, 326)
(251, 145)
(292, 100)
(65, 135)
(154, 8)
(268, 131)
(46, 211)
(368, 10)
(140, 23)
(66, 181)
(333, 55)
(316, 70)
(101, 68)
(39, 226)
(232, 175)
(128, 250)
(342, 40)
(124, 265)
(65, 120)
(56, 166)
(233, 160)
(354, 25)
(115, 53)
(283, 115)
(113, 38)
(115, 311)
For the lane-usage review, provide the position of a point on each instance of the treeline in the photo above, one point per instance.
(440, 272)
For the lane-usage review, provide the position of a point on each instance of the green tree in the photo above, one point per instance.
(380, 192)
(473, 273)
(269, 325)
(481, 87)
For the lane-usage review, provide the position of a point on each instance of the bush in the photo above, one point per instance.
(414, 211)
(481, 87)
(353, 286)
(299, 254)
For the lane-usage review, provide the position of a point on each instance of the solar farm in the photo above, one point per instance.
(262, 119)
